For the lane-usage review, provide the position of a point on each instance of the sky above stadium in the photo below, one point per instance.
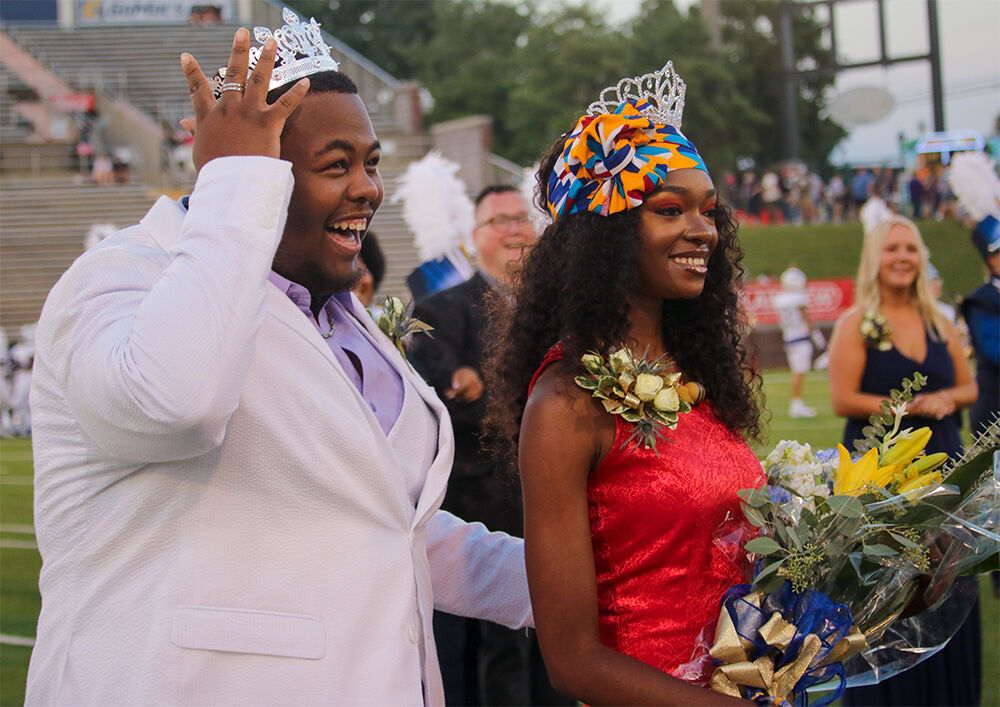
(968, 31)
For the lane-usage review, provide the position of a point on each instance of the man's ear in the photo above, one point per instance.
(188, 124)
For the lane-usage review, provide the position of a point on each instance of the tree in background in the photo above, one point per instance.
(535, 67)
(718, 115)
(749, 31)
(565, 58)
(471, 65)
(386, 32)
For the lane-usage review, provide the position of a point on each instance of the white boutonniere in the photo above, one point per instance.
(396, 321)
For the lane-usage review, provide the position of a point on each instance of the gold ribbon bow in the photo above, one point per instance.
(737, 669)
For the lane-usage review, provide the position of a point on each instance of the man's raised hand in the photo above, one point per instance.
(240, 122)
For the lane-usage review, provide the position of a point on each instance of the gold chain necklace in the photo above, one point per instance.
(329, 320)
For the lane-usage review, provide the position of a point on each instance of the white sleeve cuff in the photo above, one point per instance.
(247, 196)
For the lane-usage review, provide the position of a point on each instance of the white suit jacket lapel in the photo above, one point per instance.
(288, 314)
(440, 469)
(380, 340)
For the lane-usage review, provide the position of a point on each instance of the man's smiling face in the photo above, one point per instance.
(334, 153)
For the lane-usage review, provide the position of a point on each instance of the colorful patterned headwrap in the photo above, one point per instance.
(611, 161)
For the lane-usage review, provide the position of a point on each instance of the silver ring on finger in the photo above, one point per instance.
(232, 86)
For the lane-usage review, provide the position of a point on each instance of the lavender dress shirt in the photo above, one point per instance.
(367, 366)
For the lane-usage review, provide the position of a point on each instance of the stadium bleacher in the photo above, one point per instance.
(47, 204)
(13, 128)
(43, 222)
(130, 62)
(142, 63)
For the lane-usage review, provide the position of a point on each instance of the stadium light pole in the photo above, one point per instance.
(790, 75)
(934, 55)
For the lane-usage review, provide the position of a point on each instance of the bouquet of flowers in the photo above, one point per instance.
(848, 550)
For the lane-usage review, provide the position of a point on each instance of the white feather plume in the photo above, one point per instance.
(97, 233)
(436, 208)
(529, 190)
(873, 212)
(974, 181)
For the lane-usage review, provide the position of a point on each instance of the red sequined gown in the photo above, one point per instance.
(655, 524)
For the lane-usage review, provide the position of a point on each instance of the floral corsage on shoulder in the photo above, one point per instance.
(640, 391)
(876, 331)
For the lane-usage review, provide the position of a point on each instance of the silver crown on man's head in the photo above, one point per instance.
(663, 90)
(301, 52)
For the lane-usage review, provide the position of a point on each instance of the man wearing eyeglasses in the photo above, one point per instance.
(450, 361)
(481, 663)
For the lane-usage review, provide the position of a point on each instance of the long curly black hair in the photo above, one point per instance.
(573, 287)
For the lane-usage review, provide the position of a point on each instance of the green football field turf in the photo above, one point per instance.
(19, 565)
(832, 251)
(19, 560)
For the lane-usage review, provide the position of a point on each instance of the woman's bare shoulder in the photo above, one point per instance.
(850, 318)
(847, 328)
(564, 418)
(555, 392)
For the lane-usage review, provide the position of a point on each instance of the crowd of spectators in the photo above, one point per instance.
(792, 193)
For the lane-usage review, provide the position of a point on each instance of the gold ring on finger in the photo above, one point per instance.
(232, 86)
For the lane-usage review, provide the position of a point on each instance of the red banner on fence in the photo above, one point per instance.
(75, 102)
(827, 300)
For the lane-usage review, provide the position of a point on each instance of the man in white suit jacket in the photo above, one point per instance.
(222, 516)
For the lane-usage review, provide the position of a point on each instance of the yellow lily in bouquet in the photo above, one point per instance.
(902, 467)
(854, 477)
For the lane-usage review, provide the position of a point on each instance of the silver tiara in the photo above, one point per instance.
(663, 90)
(301, 52)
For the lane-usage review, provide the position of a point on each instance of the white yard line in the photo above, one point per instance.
(17, 640)
(17, 528)
(18, 544)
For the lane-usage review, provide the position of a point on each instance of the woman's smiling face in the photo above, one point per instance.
(900, 259)
(677, 235)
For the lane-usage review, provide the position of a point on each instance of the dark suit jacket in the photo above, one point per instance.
(981, 310)
(479, 488)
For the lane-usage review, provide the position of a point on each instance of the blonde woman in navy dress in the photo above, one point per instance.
(893, 331)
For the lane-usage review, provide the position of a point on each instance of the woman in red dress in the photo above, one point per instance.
(624, 561)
